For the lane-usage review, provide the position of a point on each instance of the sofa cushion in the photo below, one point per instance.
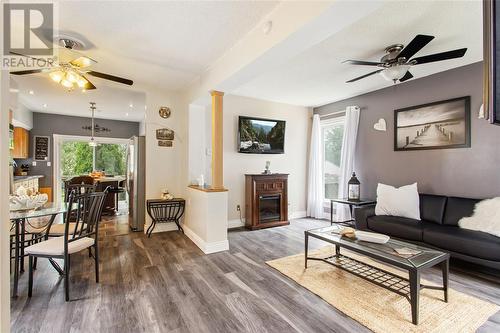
(395, 226)
(456, 208)
(432, 207)
(469, 242)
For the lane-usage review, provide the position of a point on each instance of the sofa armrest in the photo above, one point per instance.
(361, 215)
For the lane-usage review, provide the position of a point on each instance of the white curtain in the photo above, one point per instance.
(347, 159)
(315, 187)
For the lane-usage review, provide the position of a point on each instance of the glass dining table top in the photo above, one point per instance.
(47, 209)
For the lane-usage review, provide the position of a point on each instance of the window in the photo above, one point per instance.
(332, 131)
(78, 158)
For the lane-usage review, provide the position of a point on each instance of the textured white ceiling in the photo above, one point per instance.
(113, 101)
(317, 76)
(160, 44)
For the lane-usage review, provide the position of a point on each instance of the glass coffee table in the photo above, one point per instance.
(415, 259)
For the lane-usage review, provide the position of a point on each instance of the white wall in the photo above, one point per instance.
(293, 161)
(165, 167)
(22, 117)
(197, 144)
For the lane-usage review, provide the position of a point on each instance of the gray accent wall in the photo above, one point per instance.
(46, 124)
(468, 172)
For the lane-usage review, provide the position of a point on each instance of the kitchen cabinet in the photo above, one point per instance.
(21, 143)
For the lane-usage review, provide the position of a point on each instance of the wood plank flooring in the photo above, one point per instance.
(166, 284)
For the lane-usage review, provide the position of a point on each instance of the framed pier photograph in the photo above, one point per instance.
(438, 125)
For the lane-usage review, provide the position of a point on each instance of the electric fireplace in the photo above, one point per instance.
(266, 200)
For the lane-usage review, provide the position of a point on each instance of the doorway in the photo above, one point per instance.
(74, 156)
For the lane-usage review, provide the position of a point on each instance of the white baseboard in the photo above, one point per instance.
(235, 223)
(297, 215)
(207, 248)
(162, 227)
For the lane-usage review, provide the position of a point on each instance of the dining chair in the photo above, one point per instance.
(81, 180)
(78, 236)
(57, 229)
(77, 189)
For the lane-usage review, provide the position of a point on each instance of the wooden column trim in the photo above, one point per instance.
(217, 140)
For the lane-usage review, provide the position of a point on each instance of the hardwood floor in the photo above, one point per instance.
(166, 284)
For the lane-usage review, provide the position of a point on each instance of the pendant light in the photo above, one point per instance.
(92, 142)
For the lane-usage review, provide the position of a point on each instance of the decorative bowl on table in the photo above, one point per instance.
(27, 199)
(372, 237)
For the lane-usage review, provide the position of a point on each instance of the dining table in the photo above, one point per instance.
(37, 232)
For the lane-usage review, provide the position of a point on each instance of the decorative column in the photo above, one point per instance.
(217, 143)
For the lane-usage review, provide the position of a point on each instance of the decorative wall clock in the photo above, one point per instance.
(164, 112)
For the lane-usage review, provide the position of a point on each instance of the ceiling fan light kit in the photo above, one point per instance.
(69, 78)
(394, 73)
(396, 63)
(72, 69)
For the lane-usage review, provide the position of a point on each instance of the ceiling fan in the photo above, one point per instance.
(395, 65)
(73, 68)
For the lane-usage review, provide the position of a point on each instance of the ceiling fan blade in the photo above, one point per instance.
(440, 56)
(407, 76)
(363, 76)
(29, 71)
(111, 77)
(89, 85)
(360, 62)
(82, 62)
(414, 46)
(22, 55)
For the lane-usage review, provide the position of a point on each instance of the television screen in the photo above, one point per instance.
(261, 136)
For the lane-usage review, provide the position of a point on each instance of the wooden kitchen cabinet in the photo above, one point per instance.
(21, 143)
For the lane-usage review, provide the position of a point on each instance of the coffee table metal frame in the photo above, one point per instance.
(408, 288)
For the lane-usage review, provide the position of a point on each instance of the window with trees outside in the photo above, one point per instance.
(332, 131)
(78, 158)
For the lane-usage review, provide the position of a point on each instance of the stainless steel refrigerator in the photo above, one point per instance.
(136, 182)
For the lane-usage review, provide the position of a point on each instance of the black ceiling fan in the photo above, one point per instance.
(395, 65)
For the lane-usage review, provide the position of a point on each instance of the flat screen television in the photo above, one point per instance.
(261, 136)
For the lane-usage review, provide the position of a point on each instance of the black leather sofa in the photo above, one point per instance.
(438, 228)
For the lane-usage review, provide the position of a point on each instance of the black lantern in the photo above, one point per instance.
(353, 188)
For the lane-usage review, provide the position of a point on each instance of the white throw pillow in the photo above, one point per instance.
(486, 217)
(403, 201)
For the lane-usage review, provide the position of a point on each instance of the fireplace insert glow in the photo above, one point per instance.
(269, 208)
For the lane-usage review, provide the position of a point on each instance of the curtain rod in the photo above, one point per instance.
(331, 114)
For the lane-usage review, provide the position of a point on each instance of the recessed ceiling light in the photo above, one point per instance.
(131, 105)
(266, 28)
(31, 92)
(45, 105)
(126, 114)
(13, 90)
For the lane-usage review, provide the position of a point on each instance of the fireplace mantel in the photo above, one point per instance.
(266, 200)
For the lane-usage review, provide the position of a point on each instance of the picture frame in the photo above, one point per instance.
(164, 134)
(437, 125)
(165, 143)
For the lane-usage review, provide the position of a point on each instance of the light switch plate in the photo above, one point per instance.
(49, 164)
(33, 163)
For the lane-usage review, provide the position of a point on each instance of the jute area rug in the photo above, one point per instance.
(379, 309)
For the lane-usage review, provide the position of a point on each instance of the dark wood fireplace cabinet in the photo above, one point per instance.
(266, 200)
